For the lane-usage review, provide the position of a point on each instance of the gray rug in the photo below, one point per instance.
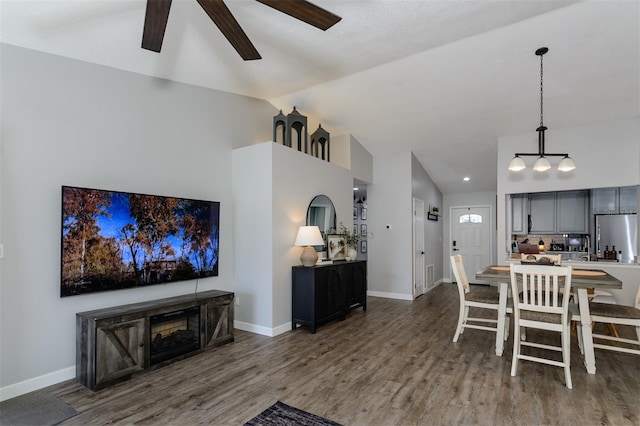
(35, 409)
(280, 414)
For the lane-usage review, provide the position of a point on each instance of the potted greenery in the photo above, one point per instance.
(351, 240)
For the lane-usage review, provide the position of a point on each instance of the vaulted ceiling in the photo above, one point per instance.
(443, 79)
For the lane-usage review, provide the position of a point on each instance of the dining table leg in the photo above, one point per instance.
(587, 337)
(502, 315)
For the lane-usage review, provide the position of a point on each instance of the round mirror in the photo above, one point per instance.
(321, 213)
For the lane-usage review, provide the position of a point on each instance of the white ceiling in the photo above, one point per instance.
(443, 79)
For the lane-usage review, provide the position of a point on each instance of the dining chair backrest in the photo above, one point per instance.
(542, 287)
(541, 305)
(460, 274)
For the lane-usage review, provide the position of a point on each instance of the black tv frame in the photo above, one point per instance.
(113, 240)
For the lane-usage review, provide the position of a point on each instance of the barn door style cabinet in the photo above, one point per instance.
(114, 343)
(323, 293)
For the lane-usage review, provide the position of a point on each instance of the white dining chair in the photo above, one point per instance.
(540, 305)
(617, 314)
(478, 298)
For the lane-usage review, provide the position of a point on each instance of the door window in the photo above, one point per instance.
(470, 218)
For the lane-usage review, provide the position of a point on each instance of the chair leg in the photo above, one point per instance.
(506, 328)
(516, 348)
(613, 330)
(464, 311)
(566, 356)
(580, 342)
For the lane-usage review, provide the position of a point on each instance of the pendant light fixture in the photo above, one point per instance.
(542, 164)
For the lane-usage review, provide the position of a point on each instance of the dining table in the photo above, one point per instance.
(582, 280)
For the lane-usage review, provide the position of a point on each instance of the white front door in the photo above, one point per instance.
(471, 237)
(418, 248)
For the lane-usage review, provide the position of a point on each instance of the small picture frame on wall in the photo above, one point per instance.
(355, 229)
(363, 213)
(363, 230)
(335, 247)
(363, 246)
(355, 212)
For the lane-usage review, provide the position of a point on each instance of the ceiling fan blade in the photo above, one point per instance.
(155, 23)
(305, 11)
(222, 17)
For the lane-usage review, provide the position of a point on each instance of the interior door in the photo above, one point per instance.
(418, 248)
(471, 237)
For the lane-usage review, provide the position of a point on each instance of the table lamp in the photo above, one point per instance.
(309, 236)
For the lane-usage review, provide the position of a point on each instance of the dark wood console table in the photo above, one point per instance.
(114, 343)
(323, 293)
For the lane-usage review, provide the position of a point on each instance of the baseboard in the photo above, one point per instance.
(258, 329)
(36, 383)
(21, 388)
(387, 295)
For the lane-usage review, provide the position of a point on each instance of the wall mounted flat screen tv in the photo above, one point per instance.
(115, 240)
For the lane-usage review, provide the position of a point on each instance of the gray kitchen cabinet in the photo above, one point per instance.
(615, 200)
(628, 196)
(572, 212)
(604, 200)
(519, 213)
(542, 208)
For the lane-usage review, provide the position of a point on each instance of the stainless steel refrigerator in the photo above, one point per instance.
(621, 231)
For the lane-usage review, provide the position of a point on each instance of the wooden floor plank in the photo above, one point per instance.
(392, 365)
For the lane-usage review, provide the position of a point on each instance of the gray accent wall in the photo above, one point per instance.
(66, 122)
(397, 178)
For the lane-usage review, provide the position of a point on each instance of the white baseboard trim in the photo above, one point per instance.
(386, 295)
(436, 284)
(258, 329)
(36, 383)
(30, 385)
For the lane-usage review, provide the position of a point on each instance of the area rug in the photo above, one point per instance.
(282, 414)
(35, 409)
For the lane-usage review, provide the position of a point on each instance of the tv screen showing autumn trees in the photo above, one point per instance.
(113, 240)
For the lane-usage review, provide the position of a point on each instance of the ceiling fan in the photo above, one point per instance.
(157, 14)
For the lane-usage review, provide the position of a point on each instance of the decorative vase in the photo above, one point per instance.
(352, 253)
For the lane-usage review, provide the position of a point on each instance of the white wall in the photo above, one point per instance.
(361, 161)
(252, 184)
(66, 122)
(389, 250)
(277, 190)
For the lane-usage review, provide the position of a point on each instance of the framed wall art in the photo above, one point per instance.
(363, 246)
(363, 213)
(335, 247)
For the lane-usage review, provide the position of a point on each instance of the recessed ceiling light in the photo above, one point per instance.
(355, 189)
(466, 178)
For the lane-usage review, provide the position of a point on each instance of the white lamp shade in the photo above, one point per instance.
(309, 236)
(566, 164)
(542, 164)
(517, 164)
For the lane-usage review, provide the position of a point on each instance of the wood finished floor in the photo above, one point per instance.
(392, 365)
